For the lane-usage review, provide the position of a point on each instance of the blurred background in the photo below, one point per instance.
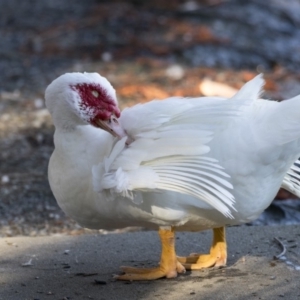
(147, 49)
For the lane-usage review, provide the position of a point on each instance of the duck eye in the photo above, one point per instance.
(95, 94)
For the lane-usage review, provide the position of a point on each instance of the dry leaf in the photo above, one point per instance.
(212, 88)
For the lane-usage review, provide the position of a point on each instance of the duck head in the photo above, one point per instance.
(84, 99)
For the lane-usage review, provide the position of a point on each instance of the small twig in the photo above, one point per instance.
(28, 263)
(86, 274)
(96, 281)
(283, 248)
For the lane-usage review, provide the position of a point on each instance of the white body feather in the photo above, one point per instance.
(194, 163)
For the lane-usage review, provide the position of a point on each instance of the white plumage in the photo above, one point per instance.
(291, 181)
(192, 164)
(210, 149)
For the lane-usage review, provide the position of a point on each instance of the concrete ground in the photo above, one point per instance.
(81, 267)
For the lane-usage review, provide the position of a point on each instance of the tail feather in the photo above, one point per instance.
(286, 120)
(250, 91)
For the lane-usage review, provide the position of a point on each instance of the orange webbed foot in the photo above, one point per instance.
(216, 258)
(168, 267)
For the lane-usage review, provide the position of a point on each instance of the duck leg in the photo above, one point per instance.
(216, 258)
(168, 266)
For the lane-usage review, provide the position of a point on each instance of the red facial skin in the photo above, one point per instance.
(102, 107)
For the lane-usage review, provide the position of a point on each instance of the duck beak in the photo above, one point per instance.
(113, 126)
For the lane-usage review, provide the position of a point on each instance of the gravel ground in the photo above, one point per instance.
(81, 267)
(146, 50)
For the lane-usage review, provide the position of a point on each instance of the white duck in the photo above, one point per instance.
(161, 164)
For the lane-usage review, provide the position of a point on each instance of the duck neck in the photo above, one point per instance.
(65, 119)
(85, 142)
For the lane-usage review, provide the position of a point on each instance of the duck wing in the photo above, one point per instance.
(291, 181)
(170, 149)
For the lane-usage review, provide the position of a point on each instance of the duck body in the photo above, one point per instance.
(72, 185)
(255, 146)
(254, 155)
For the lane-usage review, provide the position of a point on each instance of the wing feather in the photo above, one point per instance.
(170, 147)
(291, 181)
(213, 187)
